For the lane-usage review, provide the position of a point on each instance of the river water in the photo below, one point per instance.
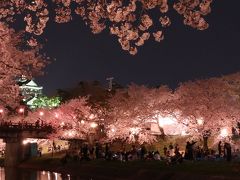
(24, 174)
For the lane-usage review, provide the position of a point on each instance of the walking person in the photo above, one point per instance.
(220, 149)
(189, 150)
(106, 151)
(91, 152)
(171, 149)
(97, 150)
(165, 151)
(228, 151)
(143, 152)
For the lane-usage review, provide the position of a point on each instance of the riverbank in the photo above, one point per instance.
(101, 169)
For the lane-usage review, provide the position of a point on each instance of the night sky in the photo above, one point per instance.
(185, 54)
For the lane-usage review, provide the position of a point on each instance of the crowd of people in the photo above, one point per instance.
(171, 153)
(195, 152)
(99, 151)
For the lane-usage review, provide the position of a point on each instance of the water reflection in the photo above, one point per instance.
(22, 174)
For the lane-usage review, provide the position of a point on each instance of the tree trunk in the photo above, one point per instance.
(205, 143)
(162, 133)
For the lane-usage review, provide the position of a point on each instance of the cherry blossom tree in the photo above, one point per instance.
(207, 107)
(131, 21)
(74, 119)
(15, 62)
(125, 118)
(133, 110)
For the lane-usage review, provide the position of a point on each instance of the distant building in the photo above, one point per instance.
(29, 90)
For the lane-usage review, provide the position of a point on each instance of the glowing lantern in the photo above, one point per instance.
(21, 110)
(1, 111)
(91, 116)
(29, 140)
(93, 125)
(41, 113)
(25, 142)
(82, 121)
(200, 121)
(56, 115)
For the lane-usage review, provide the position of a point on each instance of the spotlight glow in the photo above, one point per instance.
(29, 140)
(224, 132)
(163, 121)
(134, 130)
(21, 110)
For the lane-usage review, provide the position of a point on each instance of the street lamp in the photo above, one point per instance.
(1, 113)
(21, 111)
(41, 113)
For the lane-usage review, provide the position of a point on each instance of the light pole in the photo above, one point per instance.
(110, 84)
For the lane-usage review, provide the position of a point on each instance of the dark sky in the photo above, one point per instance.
(185, 54)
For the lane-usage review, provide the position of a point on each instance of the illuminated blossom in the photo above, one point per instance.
(207, 106)
(158, 36)
(199, 109)
(127, 20)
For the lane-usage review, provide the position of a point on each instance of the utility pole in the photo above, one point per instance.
(110, 83)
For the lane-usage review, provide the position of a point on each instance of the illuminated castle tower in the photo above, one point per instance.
(29, 90)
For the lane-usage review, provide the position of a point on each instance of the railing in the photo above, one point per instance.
(24, 126)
